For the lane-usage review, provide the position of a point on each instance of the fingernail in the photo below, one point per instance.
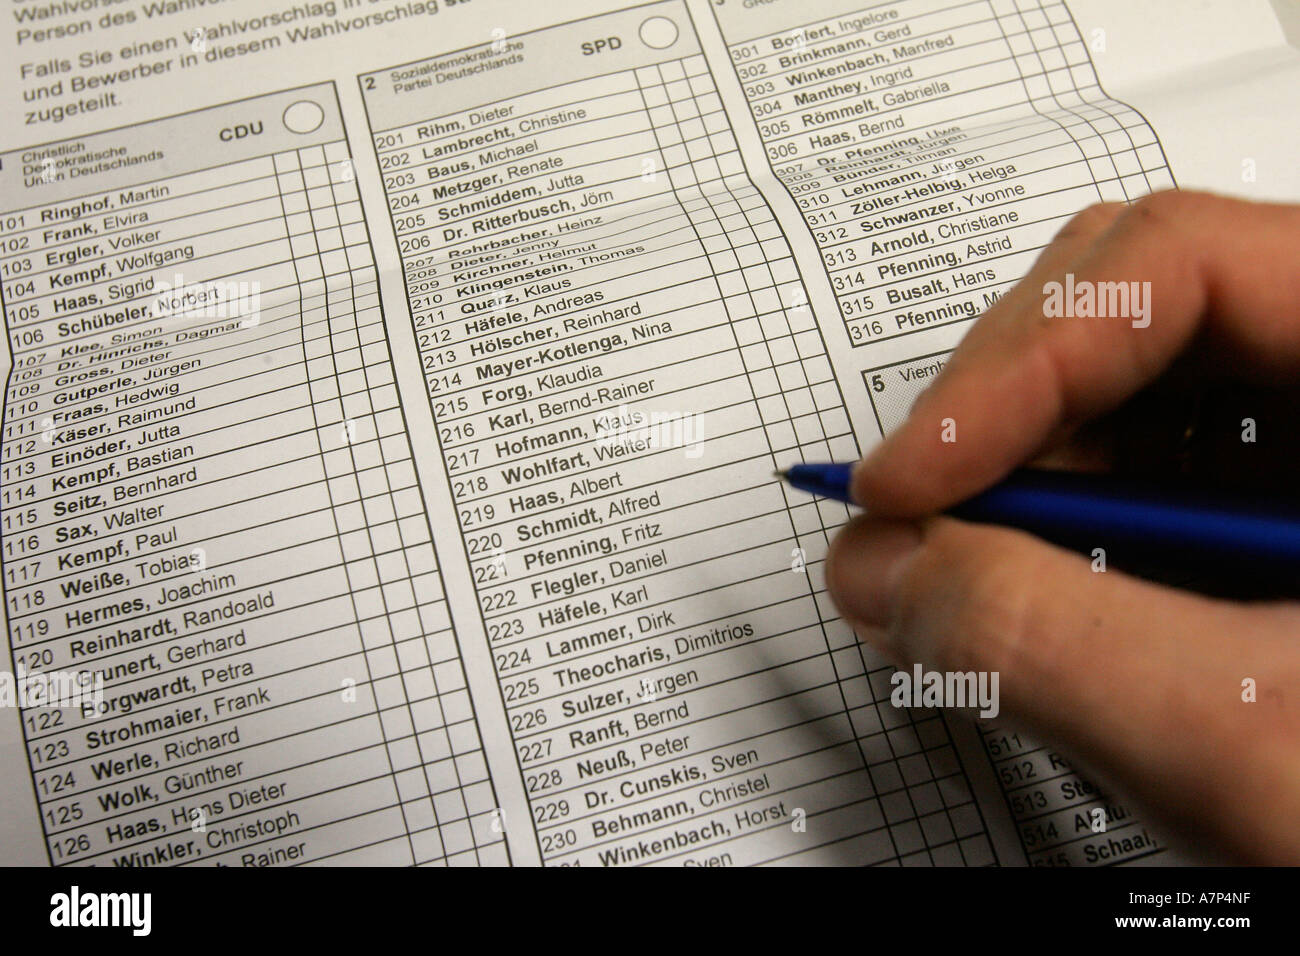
(863, 466)
(865, 568)
(879, 640)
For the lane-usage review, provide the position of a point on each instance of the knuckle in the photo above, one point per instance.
(1170, 209)
(998, 605)
(987, 608)
(1157, 207)
(1089, 221)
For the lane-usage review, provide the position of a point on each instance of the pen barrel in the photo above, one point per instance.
(826, 480)
(1176, 527)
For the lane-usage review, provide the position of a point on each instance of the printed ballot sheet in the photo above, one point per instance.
(394, 391)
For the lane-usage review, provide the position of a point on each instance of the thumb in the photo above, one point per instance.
(1142, 682)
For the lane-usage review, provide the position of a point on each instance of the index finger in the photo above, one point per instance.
(1193, 268)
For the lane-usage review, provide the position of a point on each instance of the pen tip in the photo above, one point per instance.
(779, 474)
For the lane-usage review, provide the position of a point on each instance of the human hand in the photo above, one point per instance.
(1141, 682)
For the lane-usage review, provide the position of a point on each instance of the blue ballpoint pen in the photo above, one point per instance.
(1173, 526)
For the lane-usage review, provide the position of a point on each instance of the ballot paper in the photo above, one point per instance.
(394, 389)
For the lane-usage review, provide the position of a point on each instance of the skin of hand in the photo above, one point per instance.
(1141, 683)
